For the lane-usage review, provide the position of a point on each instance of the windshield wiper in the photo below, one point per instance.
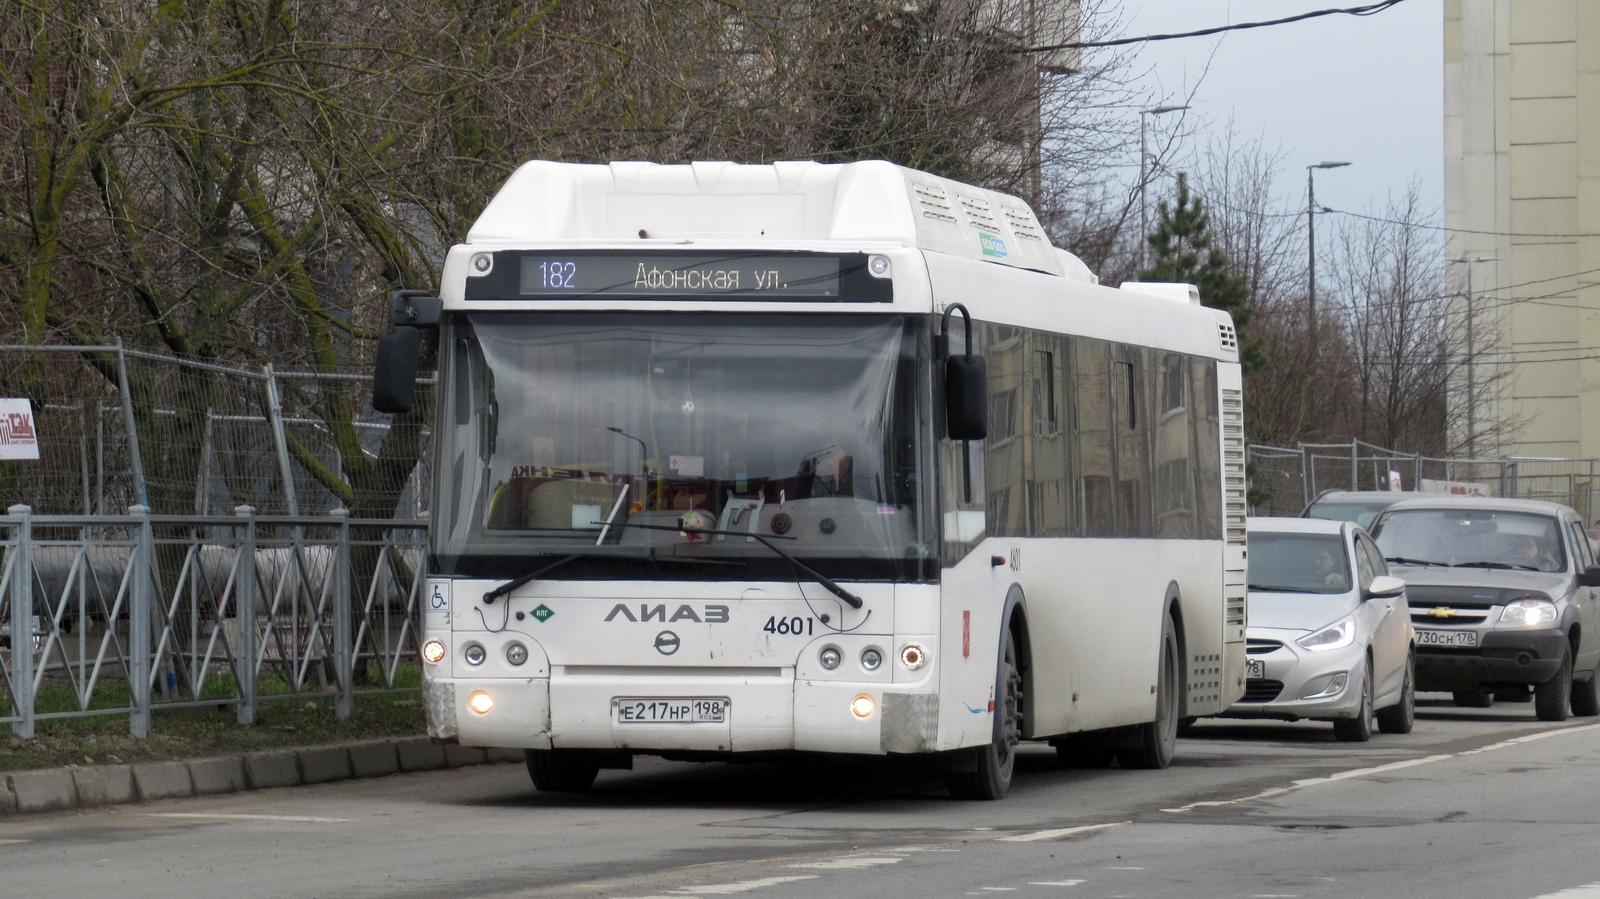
(514, 583)
(1405, 561)
(1507, 565)
(853, 600)
(1268, 588)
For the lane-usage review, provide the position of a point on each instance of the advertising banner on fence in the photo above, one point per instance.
(18, 440)
(1459, 488)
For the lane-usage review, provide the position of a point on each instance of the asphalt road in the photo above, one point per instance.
(1473, 803)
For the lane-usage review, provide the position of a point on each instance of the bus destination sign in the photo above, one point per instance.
(729, 276)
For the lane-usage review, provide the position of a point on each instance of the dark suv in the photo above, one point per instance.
(1503, 599)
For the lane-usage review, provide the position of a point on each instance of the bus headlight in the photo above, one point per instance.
(913, 656)
(480, 702)
(871, 658)
(830, 657)
(878, 266)
(474, 653)
(516, 653)
(432, 652)
(863, 706)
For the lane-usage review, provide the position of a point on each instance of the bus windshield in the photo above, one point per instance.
(624, 438)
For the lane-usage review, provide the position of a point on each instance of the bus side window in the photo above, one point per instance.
(1092, 390)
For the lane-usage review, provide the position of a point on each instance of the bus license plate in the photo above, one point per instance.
(1255, 668)
(697, 710)
(1446, 638)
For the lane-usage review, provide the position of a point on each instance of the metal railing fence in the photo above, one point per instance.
(1284, 479)
(122, 615)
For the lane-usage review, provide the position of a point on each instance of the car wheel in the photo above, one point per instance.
(1586, 697)
(1551, 698)
(1472, 699)
(1157, 741)
(989, 775)
(562, 770)
(1398, 718)
(1359, 728)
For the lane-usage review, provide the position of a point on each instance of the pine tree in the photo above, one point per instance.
(1182, 246)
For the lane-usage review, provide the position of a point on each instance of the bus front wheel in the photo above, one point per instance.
(988, 775)
(562, 770)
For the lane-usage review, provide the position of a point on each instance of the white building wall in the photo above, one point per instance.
(1522, 171)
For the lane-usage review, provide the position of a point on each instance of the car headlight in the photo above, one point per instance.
(1337, 635)
(1528, 612)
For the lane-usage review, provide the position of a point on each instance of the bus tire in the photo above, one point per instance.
(562, 770)
(1156, 741)
(988, 775)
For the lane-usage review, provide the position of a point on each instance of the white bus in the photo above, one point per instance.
(742, 460)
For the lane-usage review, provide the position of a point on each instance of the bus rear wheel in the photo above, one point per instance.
(1156, 742)
(562, 770)
(989, 774)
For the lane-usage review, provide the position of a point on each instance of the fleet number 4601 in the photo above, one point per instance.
(804, 626)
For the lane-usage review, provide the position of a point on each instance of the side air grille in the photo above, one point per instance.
(933, 202)
(978, 212)
(1023, 224)
(1229, 337)
(1233, 480)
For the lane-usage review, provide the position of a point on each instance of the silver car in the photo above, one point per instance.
(1328, 630)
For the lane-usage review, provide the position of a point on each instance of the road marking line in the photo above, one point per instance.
(9, 842)
(743, 886)
(1309, 782)
(1054, 883)
(1059, 832)
(840, 864)
(224, 816)
(1589, 891)
(999, 889)
(1380, 769)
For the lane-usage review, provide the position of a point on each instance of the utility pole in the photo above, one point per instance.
(1311, 231)
(1144, 178)
(1472, 357)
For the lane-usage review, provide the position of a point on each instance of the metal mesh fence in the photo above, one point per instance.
(122, 427)
(1283, 479)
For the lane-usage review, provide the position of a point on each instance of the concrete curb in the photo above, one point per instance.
(73, 787)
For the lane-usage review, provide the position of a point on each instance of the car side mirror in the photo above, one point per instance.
(966, 385)
(1385, 586)
(1590, 577)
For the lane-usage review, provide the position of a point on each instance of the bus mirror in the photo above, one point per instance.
(966, 397)
(966, 383)
(394, 374)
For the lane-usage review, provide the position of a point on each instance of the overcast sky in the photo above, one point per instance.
(1367, 90)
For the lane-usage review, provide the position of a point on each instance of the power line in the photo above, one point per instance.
(1374, 218)
(1368, 10)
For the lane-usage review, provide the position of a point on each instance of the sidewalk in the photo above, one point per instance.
(73, 787)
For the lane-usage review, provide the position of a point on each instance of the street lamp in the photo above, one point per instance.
(1472, 394)
(1311, 231)
(644, 452)
(1144, 207)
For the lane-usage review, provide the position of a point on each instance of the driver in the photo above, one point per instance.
(1326, 564)
(1526, 551)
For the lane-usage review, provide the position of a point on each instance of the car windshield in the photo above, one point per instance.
(1298, 563)
(1472, 538)
(623, 437)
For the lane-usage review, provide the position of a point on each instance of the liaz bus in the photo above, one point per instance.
(734, 461)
